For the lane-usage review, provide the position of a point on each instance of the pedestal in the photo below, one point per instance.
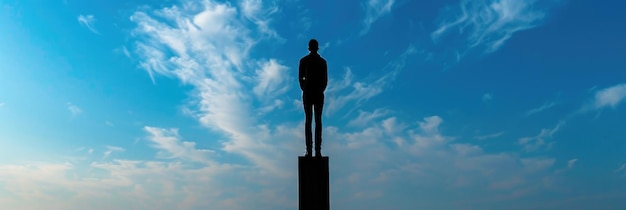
(313, 191)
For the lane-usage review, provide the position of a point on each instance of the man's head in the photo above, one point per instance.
(313, 45)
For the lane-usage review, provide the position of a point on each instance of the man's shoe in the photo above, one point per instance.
(307, 154)
(318, 153)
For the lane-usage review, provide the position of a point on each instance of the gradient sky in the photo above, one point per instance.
(456, 104)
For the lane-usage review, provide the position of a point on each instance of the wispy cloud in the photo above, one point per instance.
(75, 110)
(539, 141)
(206, 45)
(570, 163)
(347, 91)
(365, 118)
(260, 15)
(609, 97)
(485, 25)
(120, 184)
(374, 10)
(490, 136)
(1, 104)
(191, 179)
(271, 80)
(89, 22)
(170, 146)
(109, 150)
(570, 166)
(540, 109)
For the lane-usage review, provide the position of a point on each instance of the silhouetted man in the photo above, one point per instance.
(313, 76)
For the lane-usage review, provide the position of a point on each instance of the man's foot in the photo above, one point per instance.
(318, 153)
(308, 153)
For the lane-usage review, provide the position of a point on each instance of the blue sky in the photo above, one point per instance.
(486, 104)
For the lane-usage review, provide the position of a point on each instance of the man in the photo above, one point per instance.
(313, 76)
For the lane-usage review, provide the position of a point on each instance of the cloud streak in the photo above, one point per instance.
(170, 147)
(208, 49)
(485, 25)
(609, 97)
(543, 107)
(109, 150)
(347, 91)
(186, 177)
(531, 144)
(75, 110)
(88, 21)
(490, 136)
(374, 10)
(570, 163)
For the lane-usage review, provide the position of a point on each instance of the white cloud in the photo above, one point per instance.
(365, 118)
(277, 104)
(570, 163)
(271, 80)
(609, 97)
(485, 25)
(431, 124)
(88, 21)
(126, 52)
(374, 10)
(75, 110)
(170, 146)
(206, 45)
(119, 184)
(490, 136)
(109, 150)
(346, 91)
(256, 12)
(539, 141)
(540, 109)
(251, 8)
(190, 179)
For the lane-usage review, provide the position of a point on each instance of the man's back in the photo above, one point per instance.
(313, 73)
(313, 77)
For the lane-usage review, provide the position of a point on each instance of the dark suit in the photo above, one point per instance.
(313, 77)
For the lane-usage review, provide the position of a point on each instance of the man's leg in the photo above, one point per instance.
(307, 127)
(319, 107)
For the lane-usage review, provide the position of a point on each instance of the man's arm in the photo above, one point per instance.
(324, 76)
(301, 75)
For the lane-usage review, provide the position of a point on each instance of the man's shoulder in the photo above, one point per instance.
(315, 57)
(304, 58)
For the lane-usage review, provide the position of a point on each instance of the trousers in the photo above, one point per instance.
(313, 105)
